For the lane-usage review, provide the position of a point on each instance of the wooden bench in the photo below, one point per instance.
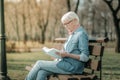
(93, 68)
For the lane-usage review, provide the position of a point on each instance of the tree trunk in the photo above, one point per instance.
(43, 36)
(68, 5)
(24, 23)
(117, 48)
(77, 4)
(117, 30)
(116, 20)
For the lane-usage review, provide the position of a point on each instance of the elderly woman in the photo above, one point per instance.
(75, 52)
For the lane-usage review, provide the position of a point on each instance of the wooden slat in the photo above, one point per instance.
(74, 77)
(96, 40)
(99, 40)
(93, 65)
(96, 50)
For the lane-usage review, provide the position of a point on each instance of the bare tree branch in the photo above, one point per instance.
(77, 4)
(118, 8)
(68, 5)
(109, 2)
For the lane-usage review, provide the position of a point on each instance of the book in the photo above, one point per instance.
(51, 52)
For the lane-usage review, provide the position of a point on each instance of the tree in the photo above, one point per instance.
(43, 18)
(25, 37)
(116, 19)
(69, 5)
(13, 18)
(30, 19)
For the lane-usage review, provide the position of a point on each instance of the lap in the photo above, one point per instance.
(51, 66)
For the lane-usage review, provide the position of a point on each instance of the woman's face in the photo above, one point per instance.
(69, 26)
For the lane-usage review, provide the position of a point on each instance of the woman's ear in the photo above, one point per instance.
(74, 19)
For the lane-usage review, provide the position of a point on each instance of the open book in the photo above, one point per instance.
(51, 52)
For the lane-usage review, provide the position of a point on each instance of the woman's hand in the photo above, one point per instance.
(52, 58)
(65, 54)
(62, 54)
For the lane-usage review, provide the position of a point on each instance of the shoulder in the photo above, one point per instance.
(82, 31)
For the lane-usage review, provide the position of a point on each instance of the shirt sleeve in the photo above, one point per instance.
(83, 46)
(84, 58)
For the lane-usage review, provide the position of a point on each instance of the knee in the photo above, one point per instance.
(38, 63)
(42, 75)
(42, 72)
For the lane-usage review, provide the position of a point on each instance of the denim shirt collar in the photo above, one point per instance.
(77, 30)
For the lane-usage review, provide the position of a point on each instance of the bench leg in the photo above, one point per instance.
(48, 77)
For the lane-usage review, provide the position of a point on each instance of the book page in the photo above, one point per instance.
(51, 52)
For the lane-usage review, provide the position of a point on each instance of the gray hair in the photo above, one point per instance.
(69, 16)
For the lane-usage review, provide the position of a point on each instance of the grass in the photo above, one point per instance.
(111, 66)
(17, 62)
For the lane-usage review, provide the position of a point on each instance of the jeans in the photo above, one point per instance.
(42, 69)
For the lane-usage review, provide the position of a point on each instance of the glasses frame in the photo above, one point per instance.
(68, 22)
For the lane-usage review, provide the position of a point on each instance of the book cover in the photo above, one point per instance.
(51, 52)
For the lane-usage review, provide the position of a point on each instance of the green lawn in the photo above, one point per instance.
(18, 61)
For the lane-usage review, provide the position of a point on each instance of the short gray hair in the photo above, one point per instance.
(69, 16)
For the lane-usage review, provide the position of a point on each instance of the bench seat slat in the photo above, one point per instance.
(75, 77)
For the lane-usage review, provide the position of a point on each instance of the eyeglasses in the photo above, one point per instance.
(67, 22)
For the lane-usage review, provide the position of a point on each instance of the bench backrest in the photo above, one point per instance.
(95, 62)
(96, 52)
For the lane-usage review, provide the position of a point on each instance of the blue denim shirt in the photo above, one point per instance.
(77, 43)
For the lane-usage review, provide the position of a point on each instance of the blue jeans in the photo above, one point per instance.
(42, 69)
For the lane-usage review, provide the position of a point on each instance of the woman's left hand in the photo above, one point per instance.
(62, 54)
